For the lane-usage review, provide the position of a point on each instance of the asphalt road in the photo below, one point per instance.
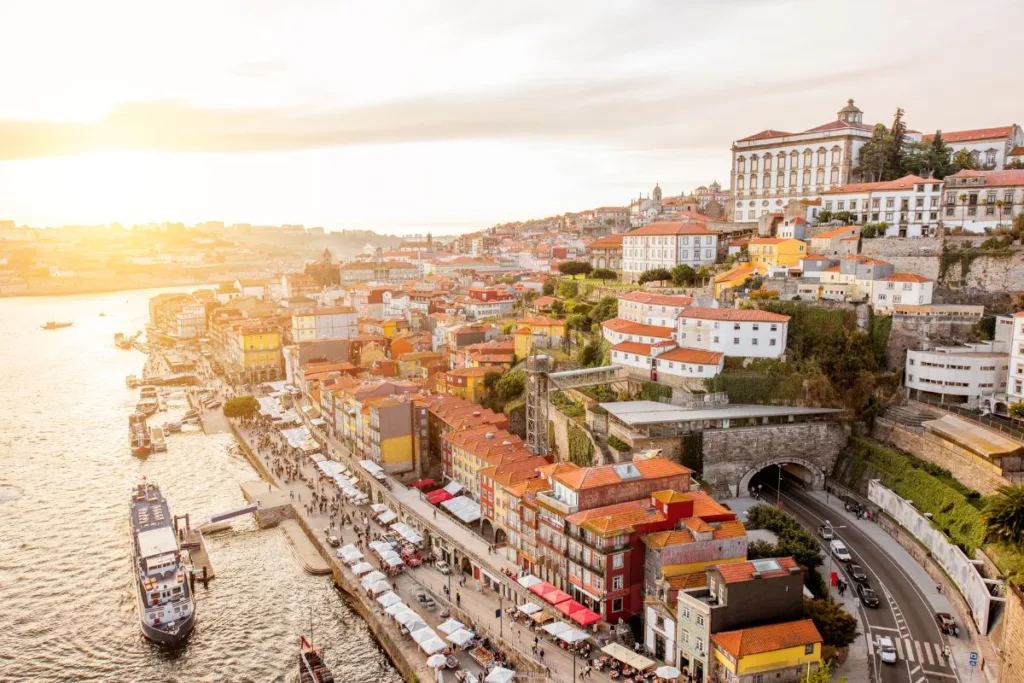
(904, 613)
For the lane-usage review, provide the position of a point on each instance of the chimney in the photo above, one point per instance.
(795, 570)
(755, 575)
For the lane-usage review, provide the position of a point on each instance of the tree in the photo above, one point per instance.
(868, 231)
(1017, 410)
(837, 627)
(683, 275)
(567, 289)
(761, 549)
(654, 275)
(604, 274)
(842, 216)
(929, 159)
(821, 674)
(897, 146)
(490, 378)
(1016, 164)
(578, 321)
(964, 161)
(1004, 514)
(530, 296)
(590, 354)
(824, 216)
(510, 385)
(241, 406)
(605, 309)
(574, 268)
(549, 287)
(874, 155)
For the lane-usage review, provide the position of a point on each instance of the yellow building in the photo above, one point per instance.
(389, 433)
(733, 278)
(257, 356)
(469, 383)
(778, 652)
(774, 252)
(538, 331)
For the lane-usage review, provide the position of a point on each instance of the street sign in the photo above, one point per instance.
(835, 578)
(497, 614)
(973, 659)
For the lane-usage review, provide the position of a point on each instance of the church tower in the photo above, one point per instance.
(656, 194)
(326, 258)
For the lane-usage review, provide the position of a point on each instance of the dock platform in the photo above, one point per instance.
(273, 505)
(195, 544)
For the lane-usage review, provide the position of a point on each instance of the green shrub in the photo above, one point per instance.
(618, 444)
(581, 449)
(652, 391)
(566, 405)
(241, 406)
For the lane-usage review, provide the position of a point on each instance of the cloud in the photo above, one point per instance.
(611, 112)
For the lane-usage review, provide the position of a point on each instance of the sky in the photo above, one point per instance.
(452, 115)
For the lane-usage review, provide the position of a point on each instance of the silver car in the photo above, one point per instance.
(886, 650)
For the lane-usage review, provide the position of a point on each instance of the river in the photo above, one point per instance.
(67, 600)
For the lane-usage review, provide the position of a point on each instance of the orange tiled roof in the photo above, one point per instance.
(737, 272)
(609, 242)
(642, 297)
(670, 228)
(681, 582)
(770, 638)
(471, 372)
(633, 347)
(605, 475)
(838, 232)
(615, 519)
(696, 356)
(734, 314)
(905, 277)
(736, 572)
(540, 321)
(731, 529)
(972, 135)
(665, 539)
(905, 183)
(994, 178)
(624, 326)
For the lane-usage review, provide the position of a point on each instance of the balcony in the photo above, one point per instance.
(547, 498)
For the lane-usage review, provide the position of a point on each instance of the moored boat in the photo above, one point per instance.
(147, 406)
(52, 325)
(311, 665)
(159, 443)
(167, 610)
(139, 437)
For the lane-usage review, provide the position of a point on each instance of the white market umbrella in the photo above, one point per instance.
(573, 636)
(666, 672)
(394, 609)
(346, 549)
(388, 599)
(380, 587)
(362, 568)
(451, 626)
(434, 661)
(372, 578)
(407, 617)
(461, 637)
(378, 508)
(529, 608)
(414, 627)
(423, 634)
(500, 674)
(353, 556)
(432, 645)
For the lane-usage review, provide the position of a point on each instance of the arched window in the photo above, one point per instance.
(780, 181)
(740, 164)
(792, 178)
(781, 165)
(808, 157)
(753, 164)
(753, 182)
(767, 162)
(834, 179)
(739, 182)
(767, 181)
(836, 153)
(821, 156)
(794, 159)
(821, 176)
(807, 177)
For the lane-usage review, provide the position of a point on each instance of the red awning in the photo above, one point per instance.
(542, 588)
(422, 483)
(557, 597)
(439, 496)
(568, 607)
(585, 617)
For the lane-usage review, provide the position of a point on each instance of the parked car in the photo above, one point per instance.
(867, 596)
(946, 622)
(333, 541)
(443, 567)
(826, 532)
(839, 551)
(886, 650)
(857, 573)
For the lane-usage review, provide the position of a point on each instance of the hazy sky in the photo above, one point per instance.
(452, 115)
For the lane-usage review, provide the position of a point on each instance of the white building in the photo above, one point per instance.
(977, 200)
(619, 330)
(652, 309)
(397, 304)
(990, 147)
(909, 206)
(900, 288)
(959, 373)
(190, 321)
(325, 323)
(478, 309)
(666, 245)
(773, 167)
(793, 229)
(733, 332)
(1015, 372)
(666, 359)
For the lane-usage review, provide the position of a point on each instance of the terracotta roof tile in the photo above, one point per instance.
(669, 228)
(904, 183)
(633, 347)
(764, 135)
(642, 297)
(734, 314)
(615, 519)
(623, 326)
(994, 178)
(905, 277)
(696, 356)
(609, 242)
(605, 475)
(737, 572)
(771, 638)
(973, 134)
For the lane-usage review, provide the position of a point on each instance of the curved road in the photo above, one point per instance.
(905, 614)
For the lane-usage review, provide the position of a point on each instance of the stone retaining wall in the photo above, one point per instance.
(966, 467)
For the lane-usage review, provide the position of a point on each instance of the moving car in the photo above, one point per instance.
(826, 532)
(867, 596)
(946, 622)
(857, 573)
(886, 650)
(839, 551)
(443, 567)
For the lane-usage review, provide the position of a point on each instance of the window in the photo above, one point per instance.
(890, 202)
(735, 340)
(821, 157)
(700, 644)
(807, 177)
(617, 583)
(876, 203)
(754, 341)
(809, 649)
(1008, 196)
(950, 198)
(949, 211)
(919, 204)
(990, 198)
(888, 216)
(771, 342)
(820, 178)
(617, 605)
(700, 620)
(618, 560)
(686, 615)
(828, 206)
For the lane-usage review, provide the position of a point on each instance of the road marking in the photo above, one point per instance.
(938, 673)
(915, 670)
(884, 628)
(871, 647)
(927, 651)
(910, 649)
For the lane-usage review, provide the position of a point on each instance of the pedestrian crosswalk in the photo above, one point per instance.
(925, 653)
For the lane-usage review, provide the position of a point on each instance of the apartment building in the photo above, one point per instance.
(538, 332)
(768, 254)
(472, 450)
(909, 206)
(748, 333)
(957, 374)
(666, 245)
(606, 252)
(900, 288)
(979, 200)
(324, 323)
(991, 148)
(652, 309)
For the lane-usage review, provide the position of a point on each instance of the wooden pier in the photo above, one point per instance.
(193, 542)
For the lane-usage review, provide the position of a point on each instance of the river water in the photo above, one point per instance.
(67, 601)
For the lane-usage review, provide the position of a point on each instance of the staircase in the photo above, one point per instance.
(909, 416)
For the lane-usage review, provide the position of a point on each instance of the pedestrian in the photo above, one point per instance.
(458, 599)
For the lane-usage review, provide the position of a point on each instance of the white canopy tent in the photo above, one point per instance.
(423, 634)
(362, 568)
(372, 578)
(528, 580)
(396, 608)
(388, 599)
(627, 656)
(432, 645)
(451, 626)
(380, 587)
(500, 674)
(529, 608)
(461, 637)
(557, 627)
(464, 508)
(387, 517)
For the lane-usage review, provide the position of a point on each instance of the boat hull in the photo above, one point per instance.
(167, 637)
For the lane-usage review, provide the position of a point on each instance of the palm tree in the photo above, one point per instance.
(963, 210)
(999, 209)
(1004, 514)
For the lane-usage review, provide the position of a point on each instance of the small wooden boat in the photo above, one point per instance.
(55, 325)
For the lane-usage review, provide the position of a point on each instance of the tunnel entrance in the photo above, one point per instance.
(767, 475)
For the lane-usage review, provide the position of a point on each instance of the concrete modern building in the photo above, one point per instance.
(958, 374)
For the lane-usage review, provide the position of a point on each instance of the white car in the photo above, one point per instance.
(826, 532)
(442, 567)
(839, 551)
(886, 650)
